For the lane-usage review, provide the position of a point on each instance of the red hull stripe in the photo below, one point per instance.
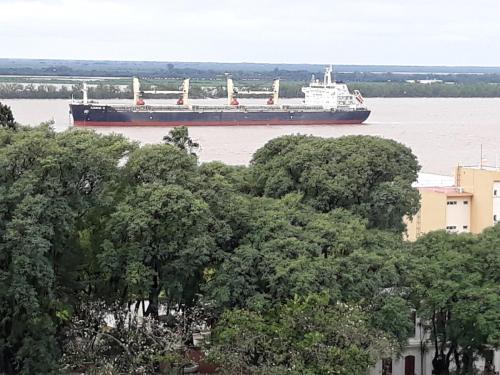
(216, 123)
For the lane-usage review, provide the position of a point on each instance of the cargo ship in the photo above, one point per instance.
(326, 102)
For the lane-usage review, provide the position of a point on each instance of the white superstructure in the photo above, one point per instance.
(332, 95)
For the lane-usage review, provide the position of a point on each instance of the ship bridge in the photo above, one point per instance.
(332, 95)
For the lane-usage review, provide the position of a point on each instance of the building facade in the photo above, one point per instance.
(416, 360)
(418, 355)
(467, 203)
(471, 204)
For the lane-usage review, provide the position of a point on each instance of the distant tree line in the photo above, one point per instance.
(47, 91)
(287, 90)
(210, 71)
(414, 90)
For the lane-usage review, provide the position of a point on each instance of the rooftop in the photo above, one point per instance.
(433, 180)
(483, 167)
(449, 191)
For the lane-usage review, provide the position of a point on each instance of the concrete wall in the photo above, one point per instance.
(423, 364)
(480, 183)
(432, 214)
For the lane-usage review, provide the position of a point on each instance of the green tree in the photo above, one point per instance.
(166, 164)
(179, 137)
(304, 336)
(455, 288)
(221, 187)
(286, 249)
(289, 249)
(6, 117)
(375, 277)
(49, 182)
(367, 175)
(158, 243)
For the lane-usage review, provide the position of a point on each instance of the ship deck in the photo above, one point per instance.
(217, 108)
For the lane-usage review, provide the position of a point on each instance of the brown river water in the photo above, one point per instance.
(442, 132)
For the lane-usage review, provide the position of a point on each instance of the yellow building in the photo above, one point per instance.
(471, 205)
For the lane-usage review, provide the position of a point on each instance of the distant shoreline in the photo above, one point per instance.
(67, 65)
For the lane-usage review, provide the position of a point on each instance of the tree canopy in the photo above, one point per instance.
(457, 294)
(296, 262)
(369, 176)
(307, 335)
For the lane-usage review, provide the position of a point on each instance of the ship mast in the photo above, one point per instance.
(327, 80)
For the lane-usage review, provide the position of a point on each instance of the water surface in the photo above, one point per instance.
(442, 132)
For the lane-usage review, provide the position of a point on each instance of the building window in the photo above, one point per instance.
(466, 202)
(489, 366)
(495, 193)
(413, 319)
(451, 227)
(387, 366)
(451, 203)
(494, 218)
(466, 227)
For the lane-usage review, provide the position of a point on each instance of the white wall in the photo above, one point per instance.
(458, 214)
(398, 363)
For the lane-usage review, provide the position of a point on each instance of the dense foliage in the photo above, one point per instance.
(112, 255)
(304, 336)
(6, 117)
(455, 283)
(50, 185)
(367, 175)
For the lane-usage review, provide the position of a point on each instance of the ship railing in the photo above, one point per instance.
(150, 108)
(303, 107)
(349, 109)
(229, 108)
(215, 108)
(236, 108)
(262, 108)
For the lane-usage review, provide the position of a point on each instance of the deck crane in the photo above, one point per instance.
(232, 92)
(183, 100)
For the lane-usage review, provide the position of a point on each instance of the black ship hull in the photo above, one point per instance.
(106, 115)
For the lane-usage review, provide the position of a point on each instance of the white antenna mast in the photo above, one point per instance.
(136, 88)
(85, 91)
(185, 91)
(276, 91)
(327, 80)
(481, 162)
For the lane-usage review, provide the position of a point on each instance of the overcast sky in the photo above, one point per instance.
(406, 32)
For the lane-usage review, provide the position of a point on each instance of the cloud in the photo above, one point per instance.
(317, 31)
